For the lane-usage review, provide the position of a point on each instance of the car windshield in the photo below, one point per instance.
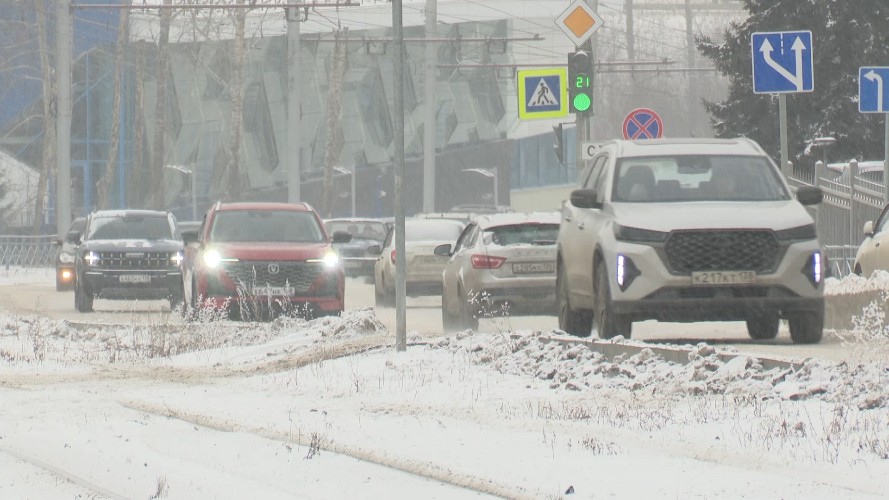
(697, 178)
(445, 230)
(127, 227)
(522, 234)
(367, 230)
(287, 226)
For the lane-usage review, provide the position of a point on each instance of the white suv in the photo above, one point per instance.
(688, 230)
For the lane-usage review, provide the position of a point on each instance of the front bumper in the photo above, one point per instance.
(657, 293)
(133, 284)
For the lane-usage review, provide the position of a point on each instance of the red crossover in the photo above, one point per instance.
(252, 259)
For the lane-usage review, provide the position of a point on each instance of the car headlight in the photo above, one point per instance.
(91, 258)
(330, 260)
(637, 235)
(806, 232)
(66, 258)
(212, 258)
(177, 258)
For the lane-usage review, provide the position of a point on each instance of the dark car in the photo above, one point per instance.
(257, 260)
(128, 255)
(65, 257)
(355, 254)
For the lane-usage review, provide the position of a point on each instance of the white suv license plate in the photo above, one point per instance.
(723, 277)
(274, 291)
(135, 278)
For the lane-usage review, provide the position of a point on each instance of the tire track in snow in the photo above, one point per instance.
(64, 474)
(427, 470)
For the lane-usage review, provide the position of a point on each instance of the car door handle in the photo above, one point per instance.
(580, 225)
(567, 218)
(877, 244)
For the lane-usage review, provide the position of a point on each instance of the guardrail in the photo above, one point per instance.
(28, 251)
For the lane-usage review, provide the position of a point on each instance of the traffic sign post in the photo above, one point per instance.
(643, 123)
(543, 93)
(873, 98)
(782, 64)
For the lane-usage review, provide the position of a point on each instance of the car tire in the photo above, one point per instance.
(608, 323)
(763, 326)
(468, 317)
(382, 296)
(83, 299)
(807, 328)
(577, 323)
(448, 320)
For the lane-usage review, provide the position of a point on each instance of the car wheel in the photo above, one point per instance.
(468, 316)
(448, 320)
(608, 323)
(857, 270)
(577, 323)
(763, 326)
(382, 295)
(807, 328)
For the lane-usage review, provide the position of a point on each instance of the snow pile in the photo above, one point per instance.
(854, 284)
(577, 368)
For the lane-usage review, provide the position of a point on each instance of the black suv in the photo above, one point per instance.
(127, 255)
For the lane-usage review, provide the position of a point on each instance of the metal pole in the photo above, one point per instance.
(194, 193)
(352, 180)
(64, 34)
(496, 178)
(429, 127)
(782, 119)
(886, 160)
(400, 261)
(294, 142)
(853, 174)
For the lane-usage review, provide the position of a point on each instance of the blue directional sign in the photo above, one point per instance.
(782, 62)
(543, 93)
(873, 89)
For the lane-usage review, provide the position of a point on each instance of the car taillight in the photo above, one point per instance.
(480, 261)
(392, 256)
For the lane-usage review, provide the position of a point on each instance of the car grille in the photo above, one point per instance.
(690, 251)
(299, 275)
(136, 260)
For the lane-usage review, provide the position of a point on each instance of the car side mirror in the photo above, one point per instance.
(73, 237)
(443, 250)
(868, 229)
(809, 195)
(341, 237)
(585, 198)
(189, 237)
(375, 250)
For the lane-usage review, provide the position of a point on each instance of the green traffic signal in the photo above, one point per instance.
(582, 102)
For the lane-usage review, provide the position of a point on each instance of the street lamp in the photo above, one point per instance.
(194, 197)
(491, 174)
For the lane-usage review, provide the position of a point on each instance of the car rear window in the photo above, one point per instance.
(367, 230)
(432, 230)
(286, 226)
(522, 234)
(130, 227)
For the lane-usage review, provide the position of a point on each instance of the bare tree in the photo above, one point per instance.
(104, 187)
(237, 92)
(49, 123)
(335, 75)
(158, 150)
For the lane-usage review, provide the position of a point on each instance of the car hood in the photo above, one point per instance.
(122, 245)
(775, 215)
(271, 250)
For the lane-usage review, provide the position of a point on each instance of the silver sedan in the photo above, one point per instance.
(502, 265)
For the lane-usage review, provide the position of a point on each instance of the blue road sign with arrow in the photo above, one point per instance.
(873, 84)
(782, 62)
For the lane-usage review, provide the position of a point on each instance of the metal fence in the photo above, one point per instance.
(28, 251)
(849, 202)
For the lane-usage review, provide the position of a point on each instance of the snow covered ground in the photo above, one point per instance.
(328, 409)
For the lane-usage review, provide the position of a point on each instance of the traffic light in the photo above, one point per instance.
(559, 146)
(580, 82)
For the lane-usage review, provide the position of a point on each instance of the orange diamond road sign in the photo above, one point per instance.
(579, 22)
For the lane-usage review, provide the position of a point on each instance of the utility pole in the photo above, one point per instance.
(294, 139)
(64, 30)
(429, 124)
(400, 260)
(631, 38)
(690, 62)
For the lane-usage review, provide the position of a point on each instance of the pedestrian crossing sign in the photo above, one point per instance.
(543, 93)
